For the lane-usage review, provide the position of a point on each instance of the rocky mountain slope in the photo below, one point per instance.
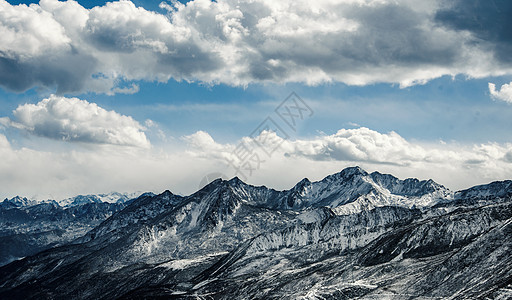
(350, 235)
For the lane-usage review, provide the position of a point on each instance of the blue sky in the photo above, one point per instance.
(396, 87)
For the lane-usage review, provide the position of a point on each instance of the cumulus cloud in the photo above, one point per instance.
(65, 46)
(504, 93)
(350, 145)
(360, 144)
(203, 145)
(76, 120)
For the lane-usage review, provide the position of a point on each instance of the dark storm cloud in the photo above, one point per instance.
(388, 34)
(67, 73)
(490, 21)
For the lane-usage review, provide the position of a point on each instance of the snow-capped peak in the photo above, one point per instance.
(18, 202)
(351, 189)
(113, 197)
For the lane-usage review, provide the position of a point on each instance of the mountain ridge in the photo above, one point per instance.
(112, 197)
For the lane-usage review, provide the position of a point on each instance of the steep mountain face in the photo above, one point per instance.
(350, 235)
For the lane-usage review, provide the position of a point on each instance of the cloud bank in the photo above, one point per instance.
(107, 48)
(363, 145)
(75, 120)
(455, 165)
(67, 172)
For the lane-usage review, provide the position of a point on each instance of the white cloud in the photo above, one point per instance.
(58, 174)
(133, 89)
(355, 145)
(31, 32)
(63, 45)
(206, 146)
(150, 123)
(70, 171)
(75, 120)
(360, 144)
(455, 165)
(504, 94)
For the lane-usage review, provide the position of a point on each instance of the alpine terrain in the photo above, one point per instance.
(352, 235)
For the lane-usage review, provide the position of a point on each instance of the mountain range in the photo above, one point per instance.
(29, 226)
(113, 197)
(351, 235)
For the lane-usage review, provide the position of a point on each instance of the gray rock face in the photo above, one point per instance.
(351, 235)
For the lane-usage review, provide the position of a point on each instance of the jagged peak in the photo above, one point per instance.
(166, 192)
(379, 174)
(151, 194)
(19, 201)
(16, 199)
(305, 180)
(219, 185)
(301, 184)
(235, 179)
(209, 186)
(349, 171)
(345, 174)
(166, 195)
